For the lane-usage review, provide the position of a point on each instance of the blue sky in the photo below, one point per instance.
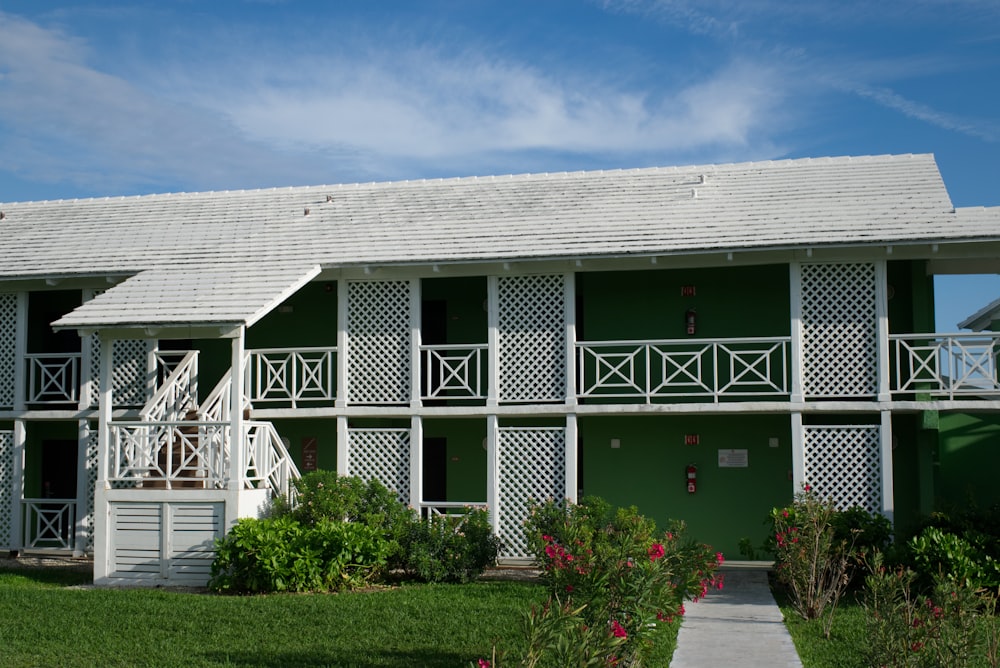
(112, 98)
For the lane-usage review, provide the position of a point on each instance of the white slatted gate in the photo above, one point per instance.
(383, 455)
(8, 347)
(378, 329)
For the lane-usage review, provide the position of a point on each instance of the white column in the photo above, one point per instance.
(572, 438)
(493, 500)
(885, 443)
(102, 514)
(882, 330)
(798, 453)
(82, 491)
(569, 299)
(20, 350)
(343, 354)
(343, 446)
(493, 340)
(415, 341)
(416, 462)
(17, 492)
(88, 384)
(795, 300)
(237, 454)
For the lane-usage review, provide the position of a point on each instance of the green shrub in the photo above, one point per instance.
(959, 558)
(451, 548)
(280, 554)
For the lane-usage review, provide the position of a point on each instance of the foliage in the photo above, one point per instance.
(962, 559)
(907, 629)
(611, 568)
(868, 532)
(280, 554)
(811, 563)
(558, 635)
(451, 548)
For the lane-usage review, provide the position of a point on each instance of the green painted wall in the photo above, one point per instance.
(466, 318)
(968, 460)
(324, 430)
(35, 434)
(911, 454)
(648, 471)
(728, 301)
(465, 475)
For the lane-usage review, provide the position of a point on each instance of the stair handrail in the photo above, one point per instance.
(217, 406)
(177, 395)
(268, 459)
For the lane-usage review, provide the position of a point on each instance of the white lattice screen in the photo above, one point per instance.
(839, 330)
(8, 347)
(130, 369)
(843, 462)
(383, 455)
(378, 328)
(532, 338)
(90, 465)
(532, 468)
(8, 504)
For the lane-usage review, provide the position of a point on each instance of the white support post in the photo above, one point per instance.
(571, 439)
(885, 444)
(102, 513)
(493, 339)
(569, 298)
(882, 329)
(20, 352)
(88, 384)
(17, 492)
(237, 454)
(80, 531)
(493, 500)
(415, 341)
(798, 453)
(343, 343)
(416, 462)
(343, 446)
(795, 300)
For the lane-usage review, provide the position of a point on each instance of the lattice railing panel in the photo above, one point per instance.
(383, 455)
(378, 326)
(532, 344)
(843, 462)
(91, 467)
(532, 468)
(130, 372)
(8, 504)
(8, 347)
(839, 330)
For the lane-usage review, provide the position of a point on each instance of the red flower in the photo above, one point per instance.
(483, 663)
(719, 558)
(656, 552)
(618, 630)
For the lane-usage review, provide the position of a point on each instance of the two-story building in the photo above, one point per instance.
(697, 341)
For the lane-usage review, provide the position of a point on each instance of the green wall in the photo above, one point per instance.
(465, 474)
(324, 430)
(968, 461)
(648, 470)
(308, 318)
(35, 434)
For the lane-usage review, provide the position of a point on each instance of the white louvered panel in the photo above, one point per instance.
(8, 347)
(8, 504)
(136, 544)
(839, 330)
(378, 326)
(532, 338)
(194, 527)
(90, 464)
(843, 463)
(383, 455)
(532, 468)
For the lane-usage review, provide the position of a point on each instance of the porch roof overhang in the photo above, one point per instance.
(983, 318)
(189, 301)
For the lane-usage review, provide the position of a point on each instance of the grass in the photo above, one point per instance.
(47, 621)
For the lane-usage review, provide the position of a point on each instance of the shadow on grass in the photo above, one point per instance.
(66, 577)
(383, 659)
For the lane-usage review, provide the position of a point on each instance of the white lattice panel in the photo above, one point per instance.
(844, 463)
(532, 468)
(839, 330)
(532, 317)
(90, 465)
(8, 347)
(378, 327)
(130, 372)
(8, 504)
(383, 455)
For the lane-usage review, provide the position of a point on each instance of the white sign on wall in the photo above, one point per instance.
(733, 459)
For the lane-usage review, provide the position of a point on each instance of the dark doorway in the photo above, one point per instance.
(59, 469)
(435, 469)
(433, 331)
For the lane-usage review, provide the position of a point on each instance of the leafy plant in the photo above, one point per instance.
(935, 551)
(451, 548)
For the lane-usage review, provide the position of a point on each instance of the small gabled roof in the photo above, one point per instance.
(190, 244)
(983, 318)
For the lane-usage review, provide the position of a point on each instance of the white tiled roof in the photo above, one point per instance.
(758, 205)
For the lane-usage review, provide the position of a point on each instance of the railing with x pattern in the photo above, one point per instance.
(292, 375)
(709, 369)
(945, 366)
(49, 523)
(53, 378)
(455, 371)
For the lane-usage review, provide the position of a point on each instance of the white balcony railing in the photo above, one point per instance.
(53, 378)
(292, 376)
(665, 369)
(267, 460)
(49, 523)
(945, 365)
(177, 392)
(177, 453)
(451, 509)
(454, 371)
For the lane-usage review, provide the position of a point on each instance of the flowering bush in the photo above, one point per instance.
(620, 577)
(812, 564)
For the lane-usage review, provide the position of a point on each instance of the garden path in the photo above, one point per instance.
(739, 625)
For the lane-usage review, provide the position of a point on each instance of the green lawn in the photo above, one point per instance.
(46, 621)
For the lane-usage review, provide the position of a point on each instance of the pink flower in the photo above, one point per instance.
(680, 610)
(656, 552)
(784, 513)
(719, 558)
(569, 589)
(483, 663)
(618, 630)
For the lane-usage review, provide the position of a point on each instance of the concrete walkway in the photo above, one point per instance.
(740, 625)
